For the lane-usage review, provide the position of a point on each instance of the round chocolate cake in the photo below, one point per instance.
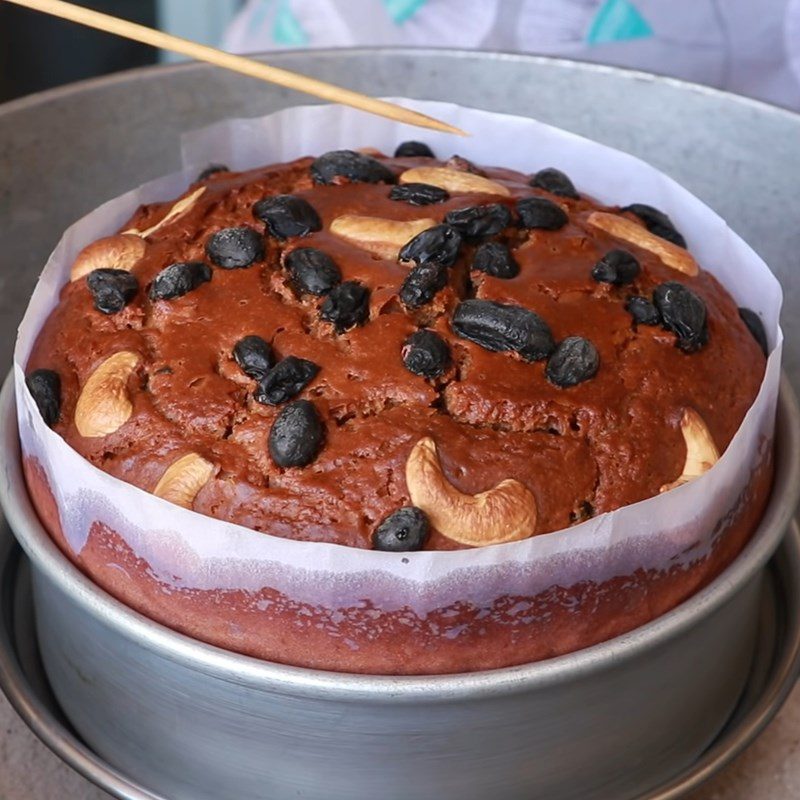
(398, 354)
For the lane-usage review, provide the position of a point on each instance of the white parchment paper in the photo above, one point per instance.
(189, 550)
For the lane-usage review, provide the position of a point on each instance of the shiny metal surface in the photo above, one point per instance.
(190, 721)
(772, 674)
(64, 152)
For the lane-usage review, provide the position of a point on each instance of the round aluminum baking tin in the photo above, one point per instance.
(773, 673)
(190, 721)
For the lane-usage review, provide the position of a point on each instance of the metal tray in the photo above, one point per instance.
(775, 668)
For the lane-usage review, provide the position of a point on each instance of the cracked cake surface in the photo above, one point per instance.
(577, 408)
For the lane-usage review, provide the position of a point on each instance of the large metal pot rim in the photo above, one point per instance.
(49, 560)
(159, 72)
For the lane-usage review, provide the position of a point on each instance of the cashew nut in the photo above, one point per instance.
(178, 210)
(701, 452)
(183, 479)
(505, 513)
(630, 231)
(121, 251)
(454, 181)
(383, 237)
(104, 406)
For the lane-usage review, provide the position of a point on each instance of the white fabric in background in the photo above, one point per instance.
(747, 46)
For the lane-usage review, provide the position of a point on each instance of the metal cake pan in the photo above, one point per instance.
(193, 722)
(64, 152)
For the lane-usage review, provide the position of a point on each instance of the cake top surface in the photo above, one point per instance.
(398, 353)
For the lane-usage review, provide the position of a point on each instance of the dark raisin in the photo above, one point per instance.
(211, 169)
(112, 289)
(355, 167)
(684, 313)
(616, 266)
(297, 434)
(312, 271)
(254, 356)
(478, 221)
(426, 353)
(556, 182)
(235, 248)
(287, 379)
(494, 258)
(539, 212)
(178, 279)
(756, 327)
(413, 150)
(642, 311)
(499, 327)
(286, 215)
(346, 305)
(45, 388)
(418, 194)
(657, 222)
(437, 245)
(402, 531)
(421, 284)
(574, 360)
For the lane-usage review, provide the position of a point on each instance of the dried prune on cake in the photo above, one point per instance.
(657, 222)
(286, 216)
(756, 327)
(426, 353)
(346, 305)
(574, 360)
(297, 435)
(418, 194)
(403, 531)
(642, 310)
(422, 283)
(413, 149)
(354, 167)
(539, 212)
(45, 388)
(618, 267)
(254, 356)
(556, 182)
(312, 271)
(112, 289)
(683, 313)
(495, 258)
(477, 221)
(436, 245)
(285, 380)
(235, 248)
(179, 279)
(503, 327)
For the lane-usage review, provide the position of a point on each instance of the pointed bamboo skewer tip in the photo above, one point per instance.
(235, 63)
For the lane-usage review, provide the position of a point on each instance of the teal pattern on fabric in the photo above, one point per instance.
(287, 29)
(618, 21)
(402, 10)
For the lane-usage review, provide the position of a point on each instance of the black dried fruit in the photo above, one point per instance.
(574, 360)
(477, 221)
(355, 167)
(418, 194)
(45, 388)
(426, 353)
(346, 305)
(616, 266)
(254, 356)
(285, 380)
(539, 212)
(297, 435)
(657, 222)
(211, 169)
(499, 327)
(642, 311)
(556, 182)
(235, 248)
(756, 327)
(402, 531)
(421, 284)
(494, 258)
(286, 215)
(684, 313)
(178, 279)
(437, 245)
(112, 289)
(413, 150)
(312, 271)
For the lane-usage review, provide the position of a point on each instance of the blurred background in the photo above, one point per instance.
(751, 47)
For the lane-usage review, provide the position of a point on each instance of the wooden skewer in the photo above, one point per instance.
(246, 66)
